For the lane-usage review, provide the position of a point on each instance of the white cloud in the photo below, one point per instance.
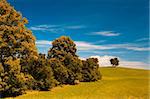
(48, 28)
(43, 42)
(100, 41)
(142, 39)
(106, 33)
(55, 28)
(105, 61)
(129, 46)
(86, 46)
(37, 28)
(75, 27)
(138, 48)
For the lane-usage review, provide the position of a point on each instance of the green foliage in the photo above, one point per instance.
(11, 81)
(60, 71)
(42, 73)
(21, 68)
(63, 54)
(15, 39)
(17, 44)
(74, 66)
(90, 70)
(61, 47)
(64, 51)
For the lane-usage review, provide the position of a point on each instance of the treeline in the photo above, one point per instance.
(22, 68)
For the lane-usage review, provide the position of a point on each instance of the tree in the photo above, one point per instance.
(61, 47)
(42, 73)
(114, 62)
(17, 48)
(90, 70)
(74, 66)
(60, 72)
(13, 82)
(64, 50)
(15, 39)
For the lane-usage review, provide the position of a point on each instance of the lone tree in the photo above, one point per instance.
(114, 62)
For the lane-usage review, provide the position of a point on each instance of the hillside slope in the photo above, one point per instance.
(117, 83)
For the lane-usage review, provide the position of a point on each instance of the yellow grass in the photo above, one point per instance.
(117, 83)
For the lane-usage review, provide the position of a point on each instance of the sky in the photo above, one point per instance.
(100, 28)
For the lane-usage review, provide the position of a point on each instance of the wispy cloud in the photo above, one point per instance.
(56, 28)
(142, 39)
(100, 41)
(49, 28)
(86, 46)
(75, 27)
(106, 33)
(128, 46)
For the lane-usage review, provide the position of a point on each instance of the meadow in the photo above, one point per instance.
(116, 83)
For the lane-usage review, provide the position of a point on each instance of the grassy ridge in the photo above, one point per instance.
(117, 83)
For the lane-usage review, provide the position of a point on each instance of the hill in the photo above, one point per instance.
(116, 83)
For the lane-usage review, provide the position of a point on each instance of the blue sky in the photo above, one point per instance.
(98, 27)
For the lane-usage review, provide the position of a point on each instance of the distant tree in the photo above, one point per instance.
(90, 70)
(114, 62)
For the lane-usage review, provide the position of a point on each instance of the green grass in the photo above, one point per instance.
(117, 83)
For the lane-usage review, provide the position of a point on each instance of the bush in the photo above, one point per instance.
(90, 70)
(60, 71)
(42, 73)
(74, 66)
(64, 50)
(11, 80)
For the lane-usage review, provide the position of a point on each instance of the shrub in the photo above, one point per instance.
(42, 73)
(90, 70)
(64, 50)
(11, 83)
(74, 66)
(60, 71)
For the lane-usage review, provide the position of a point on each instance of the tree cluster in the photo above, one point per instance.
(67, 67)
(22, 68)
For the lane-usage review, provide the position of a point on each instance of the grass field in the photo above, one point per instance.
(117, 83)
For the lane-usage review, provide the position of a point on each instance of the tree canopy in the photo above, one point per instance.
(17, 47)
(64, 51)
(114, 62)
